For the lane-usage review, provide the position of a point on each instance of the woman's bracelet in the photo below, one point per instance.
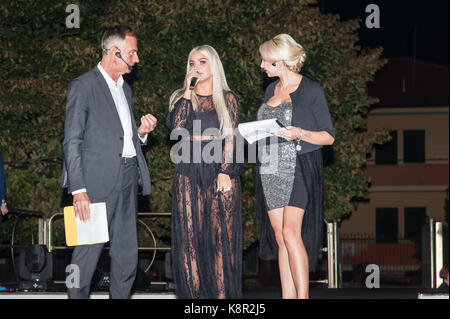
(298, 147)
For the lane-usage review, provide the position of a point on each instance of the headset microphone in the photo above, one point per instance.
(120, 57)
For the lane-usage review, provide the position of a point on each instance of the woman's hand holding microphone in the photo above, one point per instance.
(191, 81)
(223, 180)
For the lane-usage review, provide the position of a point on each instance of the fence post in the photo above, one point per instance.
(439, 263)
(337, 261)
(330, 254)
(432, 254)
(331, 241)
(42, 231)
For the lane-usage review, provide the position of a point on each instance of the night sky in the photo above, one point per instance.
(399, 19)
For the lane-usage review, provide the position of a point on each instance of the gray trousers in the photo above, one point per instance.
(121, 208)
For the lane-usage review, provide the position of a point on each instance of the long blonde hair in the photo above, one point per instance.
(220, 86)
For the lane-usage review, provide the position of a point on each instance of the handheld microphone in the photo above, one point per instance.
(120, 57)
(193, 82)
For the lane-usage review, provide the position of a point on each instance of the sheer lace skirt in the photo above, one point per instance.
(206, 235)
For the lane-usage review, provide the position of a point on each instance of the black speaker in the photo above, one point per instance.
(142, 282)
(35, 268)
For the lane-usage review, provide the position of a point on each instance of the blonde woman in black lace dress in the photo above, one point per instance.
(206, 198)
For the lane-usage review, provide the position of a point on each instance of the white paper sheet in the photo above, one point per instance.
(94, 230)
(257, 130)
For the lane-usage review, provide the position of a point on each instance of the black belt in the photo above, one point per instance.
(128, 160)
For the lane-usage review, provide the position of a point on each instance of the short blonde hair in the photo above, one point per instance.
(284, 47)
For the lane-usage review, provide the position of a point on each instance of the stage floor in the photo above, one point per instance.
(266, 293)
(94, 295)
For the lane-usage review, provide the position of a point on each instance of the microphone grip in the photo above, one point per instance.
(193, 82)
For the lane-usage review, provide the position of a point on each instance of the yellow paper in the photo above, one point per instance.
(70, 226)
(94, 231)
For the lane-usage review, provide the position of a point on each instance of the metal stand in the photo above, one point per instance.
(437, 252)
(332, 249)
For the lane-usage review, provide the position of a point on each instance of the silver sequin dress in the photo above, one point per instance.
(277, 158)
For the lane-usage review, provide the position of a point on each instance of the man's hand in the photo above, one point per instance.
(148, 124)
(81, 206)
(4, 208)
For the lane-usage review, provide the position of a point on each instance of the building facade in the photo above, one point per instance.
(409, 174)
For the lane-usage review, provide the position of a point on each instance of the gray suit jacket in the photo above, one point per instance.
(93, 138)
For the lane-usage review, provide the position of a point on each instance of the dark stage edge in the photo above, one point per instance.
(260, 294)
(353, 293)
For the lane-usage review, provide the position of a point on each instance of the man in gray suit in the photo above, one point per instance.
(103, 160)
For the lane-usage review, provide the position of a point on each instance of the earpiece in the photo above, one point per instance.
(120, 57)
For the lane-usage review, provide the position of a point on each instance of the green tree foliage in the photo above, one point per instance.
(40, 56)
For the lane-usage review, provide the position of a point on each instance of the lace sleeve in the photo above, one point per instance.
(179, 115)
(229, 165)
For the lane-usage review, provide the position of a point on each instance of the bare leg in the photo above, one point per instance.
(298, 258)
(288, 290)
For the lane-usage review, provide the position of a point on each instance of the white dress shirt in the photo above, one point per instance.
(123, 110)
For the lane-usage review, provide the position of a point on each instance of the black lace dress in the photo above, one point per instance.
(206, 224)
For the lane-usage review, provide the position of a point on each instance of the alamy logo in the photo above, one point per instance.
(73, 276)
(73, 19)
(194, 149)
(373, 279)
(373, 19)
